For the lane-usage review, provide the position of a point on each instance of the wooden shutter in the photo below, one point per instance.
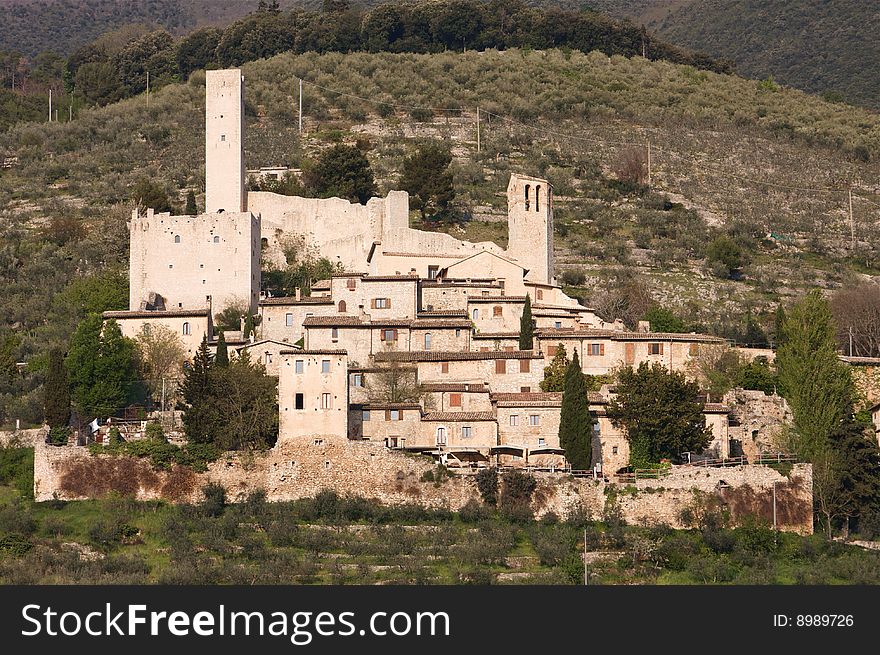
(660, 350)
(394, 334)
(601, 349)
(373, 303)
(387, 414)
(629, 351)
(525, 366)
(501, 366)
(382, 335)
(455, 400)
(388, 303)
(551, 351)
(444, 367)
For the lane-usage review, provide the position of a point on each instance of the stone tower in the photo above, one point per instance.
(313, 394)
(224, 141)
(530, 226)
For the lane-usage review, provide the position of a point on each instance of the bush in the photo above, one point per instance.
(487, 485)
(473, 512)
(17, 469)
(214, 502)
(574, 277)
(516, 495)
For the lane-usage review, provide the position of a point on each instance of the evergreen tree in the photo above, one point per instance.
(575, 420)
(526, 327)
(342, 171)
(191, 208)
(661, 413)
(554, 372)
(222, 357)
(427, 178)
(248, 325)
(859, 472)
(198, 396)
(778, 326)
(101, 365)
(817, 385)
(56, 392)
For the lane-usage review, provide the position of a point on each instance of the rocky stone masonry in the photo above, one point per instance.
(303, 467)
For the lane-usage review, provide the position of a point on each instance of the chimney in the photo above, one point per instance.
(643, 326)
(298, 294)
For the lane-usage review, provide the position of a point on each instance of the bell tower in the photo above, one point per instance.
(530, 226)
(224, 141)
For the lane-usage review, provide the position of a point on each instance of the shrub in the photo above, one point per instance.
(487, 485)
(574, 277)
(516, 495)
(214, 502)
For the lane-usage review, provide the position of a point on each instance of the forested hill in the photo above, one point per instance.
(822, 46)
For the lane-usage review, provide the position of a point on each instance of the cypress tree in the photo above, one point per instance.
(198, 396)
(191, 209)
(248, 325)
(554, 372)
(526, 327)
(575, 421)
(101, 364)
(222, 357)
(56, 392)
(817, 385)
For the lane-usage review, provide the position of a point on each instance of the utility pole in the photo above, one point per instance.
(774, 505)
(148, 88)
(70, 113)
(300, 106)
(50, 105)
(649, 162)
(850, 340)
(478, 129)
(586, 571)
(163, 394)
(852, 229)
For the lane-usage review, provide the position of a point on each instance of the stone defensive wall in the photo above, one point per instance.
(301, 468)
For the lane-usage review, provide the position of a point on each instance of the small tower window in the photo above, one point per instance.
(216, 239)
(342, 307)
(476, 314)
(537, 198)
(176, 238)
(427, 341)
(186, 328)
(527, 197)
(223, 137)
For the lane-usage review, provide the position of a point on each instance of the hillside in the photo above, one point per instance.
(820, 46)
(767, 168)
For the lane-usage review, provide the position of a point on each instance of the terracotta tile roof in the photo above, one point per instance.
(389, 253)
(353, 321)
(528, 396)
(441, 323)
(322, 285)
(469, 387)
(440, 356)
(466, 285)
(495, 335)
(305, 300)
(313, 352)
(459, 416)
(715, 408)
(496, 299)
(860, 361)
(370, 406)
(571, 308)
(168, 313)
(391, 278)
(548, 334)
(443, 312)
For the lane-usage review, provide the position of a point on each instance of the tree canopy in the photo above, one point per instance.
(342, 171)
(426, 176)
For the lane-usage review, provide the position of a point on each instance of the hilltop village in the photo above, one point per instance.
(408, 303)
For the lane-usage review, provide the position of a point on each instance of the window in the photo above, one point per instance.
(268, 357)
(613, 450)
(557, 325)
(466, 432)
(500, 366)
(655, 348)
(551, 351)
(319, 442)
(457, 332)
(394, 415)
(444, 367)
(325, 366)
(537, 198)
(542, 441)
(514, 420)
(525, 389)
(528, 203)
(186, 328)
(389, 335)
(298, 401)
(334, 334)
(539, 294)
(176, 238)
(351, 283)
(455, 400)
(223, 137)
(475, 314)
(596, 349)
(298, 366)
(441, 436)
(484, 293)
(341, 307)
(357, 380)
(216, 239)
(694, 349)
(326, 401)
(497, 310)
(427, 341)
(432, 272)
(288, 320)
(525, 366)
(534, 419)
(381, 303)
(365, 416)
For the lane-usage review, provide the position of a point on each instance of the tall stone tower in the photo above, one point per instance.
(224, 141)
(530, 226)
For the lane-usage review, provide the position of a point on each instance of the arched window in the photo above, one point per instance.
(441, 436)
(176, 238)
(427, 341)
(527, 197)
(216, 239)
(537, 198)
(186, 328)
(341, 307)
(476, 314)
